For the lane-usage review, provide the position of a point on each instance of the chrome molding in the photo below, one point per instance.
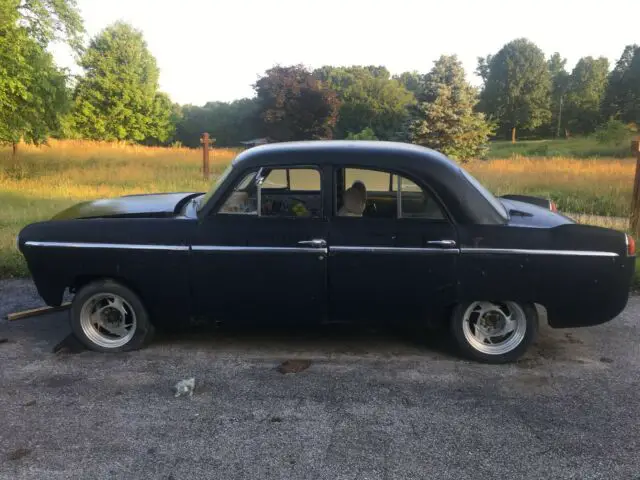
(518, 251)
(231, 248)
(419, 250)
(111, 246)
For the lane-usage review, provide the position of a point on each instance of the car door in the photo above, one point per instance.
(395, 262)
(262, 255)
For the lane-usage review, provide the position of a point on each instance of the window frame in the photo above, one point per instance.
(398, 174)
(259, 178)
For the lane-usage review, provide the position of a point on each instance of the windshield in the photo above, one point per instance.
(497, 204)
(204, 199)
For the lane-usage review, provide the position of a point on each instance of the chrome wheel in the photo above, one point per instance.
(108, 320)
(494, 328)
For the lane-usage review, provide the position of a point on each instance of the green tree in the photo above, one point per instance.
(559, 85)
(33, 93)
(294, 105)
(410, 80)
(229, 123)
(518, 86)
(622, 95)
(444, 118)
(482, 70)
(369, 98)
(585, 92)
(118, 98)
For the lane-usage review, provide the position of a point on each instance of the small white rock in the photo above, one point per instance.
(184, 387)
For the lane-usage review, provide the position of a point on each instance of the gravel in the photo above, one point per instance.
(370, 405)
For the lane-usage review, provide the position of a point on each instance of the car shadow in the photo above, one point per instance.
(311, 339)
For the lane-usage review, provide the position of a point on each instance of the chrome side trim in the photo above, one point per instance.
(231, 248)
(418, 250)
(518, 251)
(110, 246)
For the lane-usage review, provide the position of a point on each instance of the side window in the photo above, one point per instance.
(277, 192)
(241, 201)
(380, 194)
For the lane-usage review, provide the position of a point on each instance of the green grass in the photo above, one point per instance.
(585, 147)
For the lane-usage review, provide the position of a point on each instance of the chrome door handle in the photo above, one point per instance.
(442, 243)
(315, 243)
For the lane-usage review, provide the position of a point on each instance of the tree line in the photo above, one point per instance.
(117, 97)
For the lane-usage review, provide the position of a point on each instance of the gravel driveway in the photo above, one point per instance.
(370, 406)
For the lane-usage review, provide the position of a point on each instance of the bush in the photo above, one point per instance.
(366, 134)
(615, 132)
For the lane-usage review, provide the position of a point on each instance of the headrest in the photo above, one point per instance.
(354, 201)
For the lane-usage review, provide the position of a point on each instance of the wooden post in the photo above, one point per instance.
(205, 155)
(635, 200)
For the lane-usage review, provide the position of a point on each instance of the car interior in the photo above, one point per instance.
(296, 192)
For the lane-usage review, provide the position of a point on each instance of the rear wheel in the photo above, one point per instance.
(494, 332)
(106, 316)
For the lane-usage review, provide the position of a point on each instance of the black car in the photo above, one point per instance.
(331, 230)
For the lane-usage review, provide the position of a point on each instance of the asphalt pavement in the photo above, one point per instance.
(371, 405)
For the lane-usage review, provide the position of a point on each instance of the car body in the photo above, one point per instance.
(268, 242)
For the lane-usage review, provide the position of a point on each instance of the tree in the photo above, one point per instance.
(33, 92)
(622, 95)
(410, 80)
(559, 84)
(369, 98)
(585, 92)
(118, 98)
(229, 123)
(444, 118)
(294, 105)
(51, 20)
(518, 87)
(482, 70)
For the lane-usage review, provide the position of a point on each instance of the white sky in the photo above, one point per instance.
(214, 50)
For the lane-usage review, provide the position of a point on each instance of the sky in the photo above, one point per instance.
(211, 50)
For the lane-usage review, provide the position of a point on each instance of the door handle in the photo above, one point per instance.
(442, 243)
(315, 243)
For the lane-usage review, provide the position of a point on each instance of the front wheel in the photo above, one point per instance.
(494, 332)
(108, 317)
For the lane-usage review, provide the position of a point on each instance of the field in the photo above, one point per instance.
(46, 179)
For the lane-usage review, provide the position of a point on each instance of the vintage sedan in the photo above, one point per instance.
(331, 231)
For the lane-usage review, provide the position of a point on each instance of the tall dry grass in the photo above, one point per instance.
(593, 186)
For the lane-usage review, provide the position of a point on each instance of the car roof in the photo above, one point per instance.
(347, 151)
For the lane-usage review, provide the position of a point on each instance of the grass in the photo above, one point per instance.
(45, 180)
(592, 186)
(585, 147)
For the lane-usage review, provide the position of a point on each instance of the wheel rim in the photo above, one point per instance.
(494, 328)
(108, 320)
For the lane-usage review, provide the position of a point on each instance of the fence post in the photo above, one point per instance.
(635, 200)
(205, 155)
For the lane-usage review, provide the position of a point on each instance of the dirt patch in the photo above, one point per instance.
(293, 366)
(18, 453)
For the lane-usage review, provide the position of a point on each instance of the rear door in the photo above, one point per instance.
(397, 262)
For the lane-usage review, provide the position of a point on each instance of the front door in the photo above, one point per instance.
(396, 259)
(262, 255)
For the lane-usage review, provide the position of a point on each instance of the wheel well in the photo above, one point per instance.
(82, 280)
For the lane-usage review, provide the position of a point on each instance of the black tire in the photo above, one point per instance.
(144, 330)
(469, 351)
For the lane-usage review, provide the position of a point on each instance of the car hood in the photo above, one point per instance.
(151, 205)
(524, 214)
